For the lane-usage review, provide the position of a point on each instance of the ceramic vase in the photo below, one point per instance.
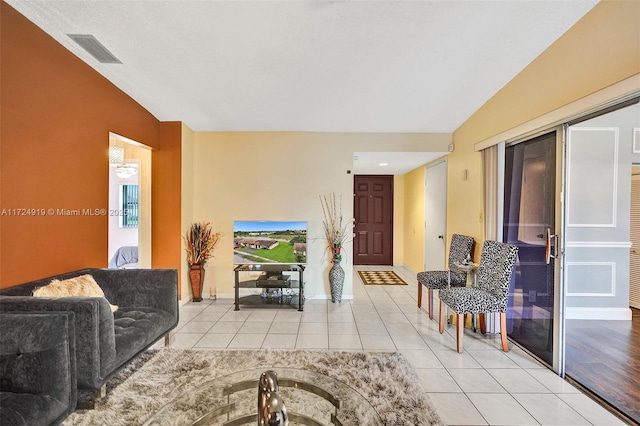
(196, 277)
(336, 281)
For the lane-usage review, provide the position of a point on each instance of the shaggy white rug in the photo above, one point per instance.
(386, 380)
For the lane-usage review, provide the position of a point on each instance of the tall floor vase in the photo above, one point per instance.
(196, 277)
(336, 281)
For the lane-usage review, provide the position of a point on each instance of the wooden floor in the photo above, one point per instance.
(604, 357)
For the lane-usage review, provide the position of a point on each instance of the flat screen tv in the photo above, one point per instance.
(269, 242)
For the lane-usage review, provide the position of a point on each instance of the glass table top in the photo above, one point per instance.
(310, 399)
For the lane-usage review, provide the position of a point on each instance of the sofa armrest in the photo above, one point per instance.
(94, 331)
(37, 367)
(151, 288)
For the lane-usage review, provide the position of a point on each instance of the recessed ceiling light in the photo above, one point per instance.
(383, 164)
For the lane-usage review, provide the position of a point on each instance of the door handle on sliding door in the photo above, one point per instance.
(547, 249)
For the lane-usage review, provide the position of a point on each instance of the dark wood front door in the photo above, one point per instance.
(373, 212)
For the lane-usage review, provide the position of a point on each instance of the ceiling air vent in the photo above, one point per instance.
(95, 48)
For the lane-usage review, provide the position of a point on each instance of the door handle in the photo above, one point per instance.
(441, 237)
(547, 248)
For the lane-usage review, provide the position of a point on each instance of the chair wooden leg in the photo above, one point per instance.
(459, 331)
(430, 297)
(503, 331)
(468, 320)
(419, 295)
(483, 323)
(442, 317)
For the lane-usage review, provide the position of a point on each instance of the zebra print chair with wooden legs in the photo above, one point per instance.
(459, 251)
(489, 295)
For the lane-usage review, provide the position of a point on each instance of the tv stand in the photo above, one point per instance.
(271, 277)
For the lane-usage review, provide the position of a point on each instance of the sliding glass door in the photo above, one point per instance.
(530, 224)
(567, 206)
(602, 334)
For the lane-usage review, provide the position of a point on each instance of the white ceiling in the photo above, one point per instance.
(322, 66)
(390, 163)
(325, 66)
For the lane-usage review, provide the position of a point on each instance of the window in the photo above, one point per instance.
(129, 206)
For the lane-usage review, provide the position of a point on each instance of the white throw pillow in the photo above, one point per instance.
(84, 285)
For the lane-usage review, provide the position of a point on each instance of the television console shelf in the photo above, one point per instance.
(269, 277)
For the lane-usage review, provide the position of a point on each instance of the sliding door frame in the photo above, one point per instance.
(559, 335)
(558, 284)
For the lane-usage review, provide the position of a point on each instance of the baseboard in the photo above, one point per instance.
(188, 298)
(613, 314)
(327, 297)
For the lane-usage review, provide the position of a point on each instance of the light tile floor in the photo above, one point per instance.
(481, 386)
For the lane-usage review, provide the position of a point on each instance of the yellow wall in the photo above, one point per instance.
(465, 203)
(144, 230)
(280, 176)
(414, 219)
(601, 49)
(398, 219)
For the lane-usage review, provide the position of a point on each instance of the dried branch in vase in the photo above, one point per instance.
(200, 241)
(336, 231)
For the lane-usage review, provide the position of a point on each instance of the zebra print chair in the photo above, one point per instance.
(460, 249)
(489, 295)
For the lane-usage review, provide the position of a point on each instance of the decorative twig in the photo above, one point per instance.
(200, 241)
(336, 233)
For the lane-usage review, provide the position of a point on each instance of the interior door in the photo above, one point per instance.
(529, 224)
(373, 213)
(435, 217)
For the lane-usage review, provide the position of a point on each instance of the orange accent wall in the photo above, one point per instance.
(166, 188)
(56, 113)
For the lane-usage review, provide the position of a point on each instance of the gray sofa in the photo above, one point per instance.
(106, 341)
(37, 368)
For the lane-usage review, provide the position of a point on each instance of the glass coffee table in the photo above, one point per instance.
(310, 399)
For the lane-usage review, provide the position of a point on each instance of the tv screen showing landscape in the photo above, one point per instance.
(265, 242)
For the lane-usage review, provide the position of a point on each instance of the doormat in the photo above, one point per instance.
(381, 278)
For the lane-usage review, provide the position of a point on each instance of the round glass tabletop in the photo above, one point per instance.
(310, 399)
